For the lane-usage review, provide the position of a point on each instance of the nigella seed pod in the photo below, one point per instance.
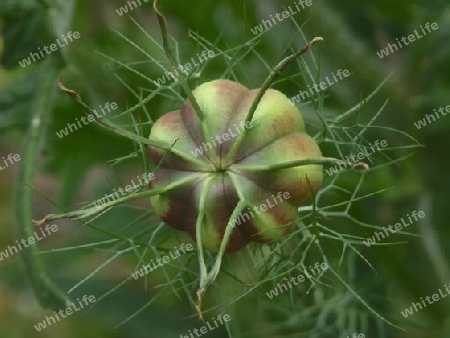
(223, 159)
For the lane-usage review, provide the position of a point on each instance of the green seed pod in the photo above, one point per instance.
(226, 160)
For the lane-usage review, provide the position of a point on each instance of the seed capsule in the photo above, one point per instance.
(224, 159)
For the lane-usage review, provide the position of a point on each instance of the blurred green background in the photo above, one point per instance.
(74, 169)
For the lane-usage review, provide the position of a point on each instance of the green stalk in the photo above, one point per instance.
(125, 133)
(180, 78)
(110, 125)
(199, 241)
(266, 85)
(290, 164)
(92, 211)
(47, 294)
(274, 73)
(206, 279)
(169, 55)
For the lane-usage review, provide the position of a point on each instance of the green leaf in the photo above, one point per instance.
(29, 25)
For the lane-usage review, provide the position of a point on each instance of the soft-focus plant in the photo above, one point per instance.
(207, 194)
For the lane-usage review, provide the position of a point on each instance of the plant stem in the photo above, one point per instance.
(181, 79)
(83, 213)
(112, 126)
(287, 165)
(207, 279)
(274, 73)
(266, 85)
(47, 294)
(168, 51)
(199, 241)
